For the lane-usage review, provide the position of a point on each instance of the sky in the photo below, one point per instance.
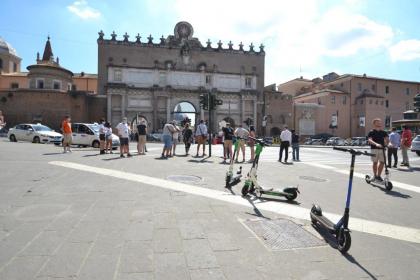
(308, 38)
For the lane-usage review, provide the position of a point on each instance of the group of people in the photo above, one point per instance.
(242, 135)
(379, 140)
(288, 138)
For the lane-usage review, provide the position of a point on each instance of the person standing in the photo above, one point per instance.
(286, 139)
(201, 134)
(141, 132)
(108, 137)
(378, 139)
(251, 142)
(175, 137)
(67, 134)
(168, 130)
(124, 134)
(295, 145)
(394, 144)
(406, 138)
(101, 136)
(241, 133)
(2, 121)
(227, 142)
(187, 137)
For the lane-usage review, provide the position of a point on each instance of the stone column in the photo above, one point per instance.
(109, 107)
(168, 109)
(123, 104)
(255, 113)
(154, 112)
(242, 106)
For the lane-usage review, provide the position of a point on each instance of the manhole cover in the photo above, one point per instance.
(184, 178)
(313, 179)
(281, 234)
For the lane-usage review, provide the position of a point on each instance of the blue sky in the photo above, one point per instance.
(302, 38)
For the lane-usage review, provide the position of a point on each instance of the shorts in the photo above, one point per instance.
(379, 155)
(227, 143)
(201, 139)
(102, 137)
(175, 141)
(142, 139)
(108, 137)
(167, 141)
(241, 143)
(123, 141)
(67, 139)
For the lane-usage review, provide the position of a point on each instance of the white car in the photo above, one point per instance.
(36, 133)
(87, 134)
(415, 145)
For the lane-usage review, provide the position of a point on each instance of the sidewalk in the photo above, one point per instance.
(63, 223)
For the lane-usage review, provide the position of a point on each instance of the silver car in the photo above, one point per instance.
(415, 145)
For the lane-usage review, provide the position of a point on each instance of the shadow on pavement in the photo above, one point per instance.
(392, 193)
(264, 199)
(354, 261)
(203, 160)
(91, 155)
(257, 212)
(114, 158)
(51, 154)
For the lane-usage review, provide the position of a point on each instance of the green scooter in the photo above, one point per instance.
(233, 179)
(251, 184)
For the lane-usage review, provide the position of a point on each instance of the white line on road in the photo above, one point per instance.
(395, 184)
(357, 224)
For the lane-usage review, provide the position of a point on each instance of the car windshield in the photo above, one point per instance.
(417, 138)
(40, 127)
(94, 127)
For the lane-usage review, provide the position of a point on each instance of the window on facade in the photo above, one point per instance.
(117, 75)
(370, 101)
(1, 63)
(361, 101)
(57, 85)
(162, 79)
(39, 84)
(386, 103)
(382, 103)
(407, 105)
(333, 99)
(14, 85)
(373, 87)
(344, 100)
(208, 80)
(342, 84)
(319, 101)
(386, 89)
(69, 86)
(376, 102)
(359, 86)
(14, 67)
(407, 91)
(248, 82)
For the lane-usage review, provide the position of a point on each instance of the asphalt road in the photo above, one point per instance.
(86, 216)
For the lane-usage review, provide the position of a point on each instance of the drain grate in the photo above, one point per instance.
(313, 179)
(281, 234)
(184, 178)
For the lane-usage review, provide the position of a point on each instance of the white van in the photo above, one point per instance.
(87, 134)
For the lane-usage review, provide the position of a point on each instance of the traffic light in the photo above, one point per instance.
(214, 102)
(204, 101)
(417, 103)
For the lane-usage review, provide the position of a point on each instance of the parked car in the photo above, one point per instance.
(154, 137)
(323, 136)
(315, 142)
(35, 133)
(358, 141)
(415, 145)
(87, 134)
(336, 141)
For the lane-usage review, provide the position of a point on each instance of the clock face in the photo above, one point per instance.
(183, 30)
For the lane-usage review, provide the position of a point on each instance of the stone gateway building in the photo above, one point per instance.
(163, 80)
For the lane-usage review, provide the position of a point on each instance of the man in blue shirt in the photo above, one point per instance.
(394, 144)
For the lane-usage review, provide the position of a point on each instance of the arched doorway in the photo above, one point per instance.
(184, 110)
(136, 120)
(230, 120)
(275, 131)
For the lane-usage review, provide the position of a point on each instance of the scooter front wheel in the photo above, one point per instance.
(244, 190)
(368, 179)
(291, 194)
(227, 181)
(388, 185)
(343, 240)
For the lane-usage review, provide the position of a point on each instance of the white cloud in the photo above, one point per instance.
(82, 10)
(405, 50)
(298, 35)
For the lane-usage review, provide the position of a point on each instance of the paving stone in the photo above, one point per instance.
(136, 256)
(22, 268)
(163, 220)
(207, 274)
(220, 241)
(99, 267)
(140, 230)
(167, 241)
(136, 276)
(45, 244)
(190, 229)
(199, 254)
(85, 232)
(170, 266)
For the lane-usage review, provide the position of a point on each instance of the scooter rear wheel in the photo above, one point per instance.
(368, 179)
(244, 190)
(292, 194)
(227, 181)
(343, 240)
(388, 186)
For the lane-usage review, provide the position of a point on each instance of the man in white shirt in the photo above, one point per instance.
(286, 139)
(241, 133)
(124, 132)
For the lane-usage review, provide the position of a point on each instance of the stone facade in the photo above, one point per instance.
(150, 79)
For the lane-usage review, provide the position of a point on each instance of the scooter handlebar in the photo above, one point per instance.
(260, 141)
(353, 151)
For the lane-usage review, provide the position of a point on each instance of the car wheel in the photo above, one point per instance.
(418, 153)
(36, 140)
(95, 144)
(12, 138)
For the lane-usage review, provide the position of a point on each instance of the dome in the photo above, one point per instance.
(5, 46)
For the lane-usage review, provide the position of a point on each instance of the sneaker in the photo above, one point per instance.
(64, 152)
(122, 156)
(403, 164)
(395, 166)
(129, 155)
(379, 179)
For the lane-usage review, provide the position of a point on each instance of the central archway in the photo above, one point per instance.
(185, 110)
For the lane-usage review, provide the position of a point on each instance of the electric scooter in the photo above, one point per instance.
(233, 179)
(251, 184)
(386, 182)
(340, 230)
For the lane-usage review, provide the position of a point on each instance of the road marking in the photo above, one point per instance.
(357, 224)
(395, 184)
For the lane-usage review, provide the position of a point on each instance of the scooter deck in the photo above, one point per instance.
(324, 221)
